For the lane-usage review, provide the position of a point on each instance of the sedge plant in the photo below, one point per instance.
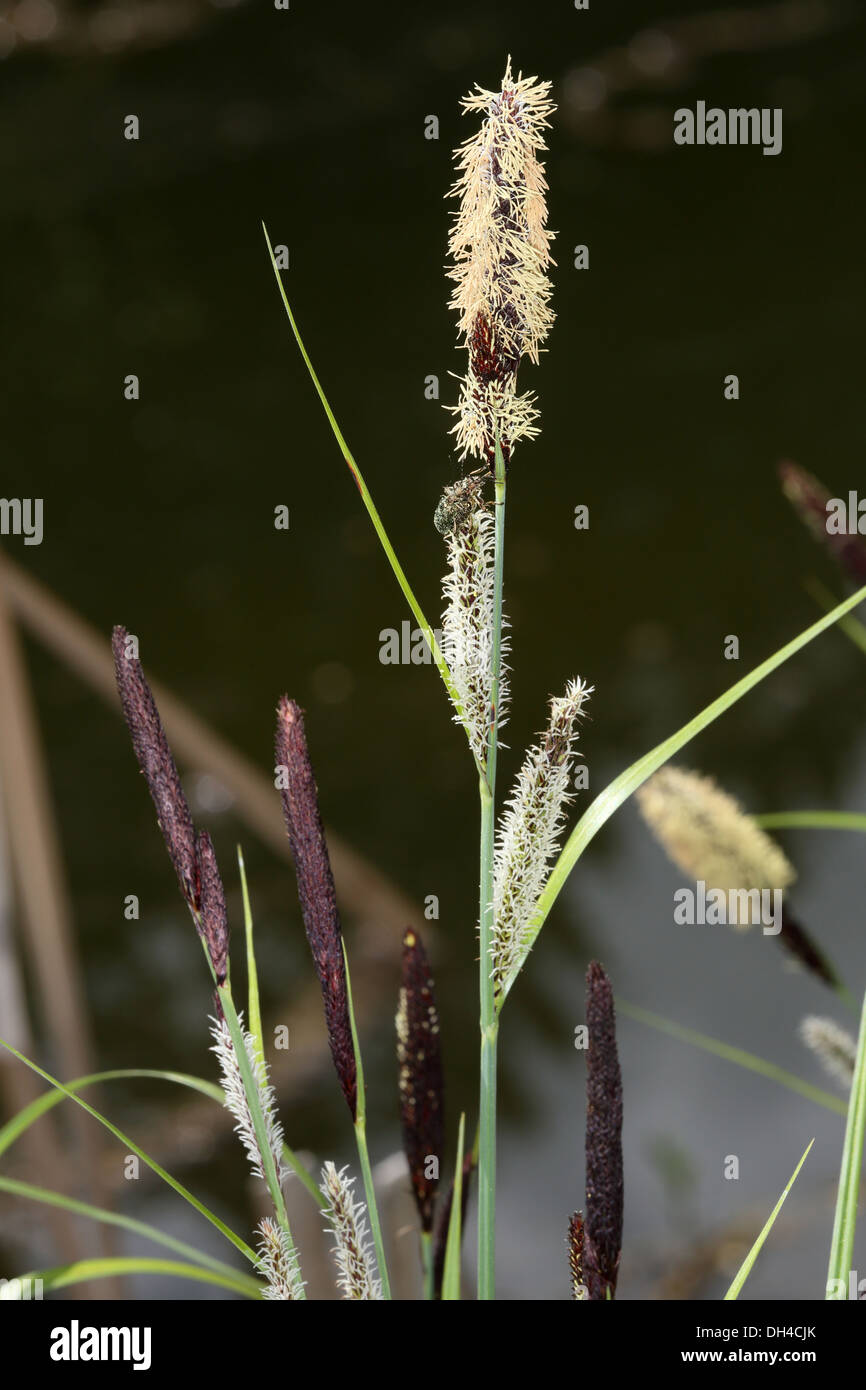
(500, 259)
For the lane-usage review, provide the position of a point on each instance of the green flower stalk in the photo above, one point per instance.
(500, 251)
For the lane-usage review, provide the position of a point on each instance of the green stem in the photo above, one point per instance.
(489, 1022)
(427, 1264)
(361, 1137)
(845, 1219)
(813, 820)
(487, 1102)
(372, 1208)
(390, 554)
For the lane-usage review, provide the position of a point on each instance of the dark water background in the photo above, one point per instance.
(148, 257)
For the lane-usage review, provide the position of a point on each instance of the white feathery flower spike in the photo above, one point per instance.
(467, 626)
(236, 1098)
(500, 249)
(278, 1263)
(352, 1254)
(528, 833)
(835, 1047)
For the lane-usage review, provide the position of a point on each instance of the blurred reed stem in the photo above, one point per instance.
(48, 935)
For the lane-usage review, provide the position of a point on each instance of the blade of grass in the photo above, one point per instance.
(112, 1218)
(852, 627)
(813, 820)
(736, 1055)
(17, 1125)
(254, 1013)
(361, 1140)
(845, 1218)
(64, 1275)
(130, 1144)
(451, 1273)
(366, 498)
(621, 788)
(746, 1267)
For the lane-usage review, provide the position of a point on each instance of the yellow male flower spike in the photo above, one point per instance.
(500, 247)
(708, 835)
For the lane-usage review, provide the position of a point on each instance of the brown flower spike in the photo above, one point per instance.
(420, 1058)
(315, 887)
(595, 1243)
(500, 249)
(809, 498)
(156, 762)
(214, 918)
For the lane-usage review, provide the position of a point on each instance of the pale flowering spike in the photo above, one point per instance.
(278, 1264)
(714, 841)
(528, 834)
(835, 1047)
(709, 836)
(352, 1254)
(469, 590)
(500, 249)
(236, 1097)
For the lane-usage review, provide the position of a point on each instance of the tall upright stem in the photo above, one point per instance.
(489, 1023)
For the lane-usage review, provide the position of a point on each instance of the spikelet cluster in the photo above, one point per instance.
(834, 1046)
(236, 1098)
(575, 1243)
(278, 1263)
(500, 248)
(528, 835)
(467, 626)
(708, 835)
(352, 1254)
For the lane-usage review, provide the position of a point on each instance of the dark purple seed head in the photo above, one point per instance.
(315, 886)
(604, 1176)
(420, 1061)
(213, 915)
(156, 762)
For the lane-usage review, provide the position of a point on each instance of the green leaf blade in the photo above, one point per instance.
(845, 1217)
(746, 1267)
